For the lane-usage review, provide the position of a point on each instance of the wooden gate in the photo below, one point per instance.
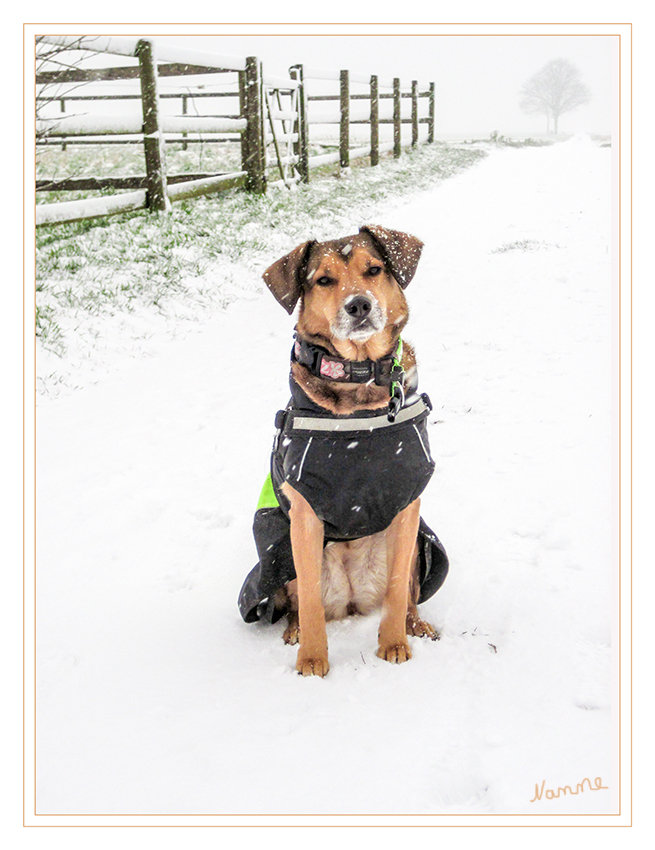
(283, 119)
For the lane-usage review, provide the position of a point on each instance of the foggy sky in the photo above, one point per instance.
(478, 78)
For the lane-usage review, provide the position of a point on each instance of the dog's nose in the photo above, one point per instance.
(359, 307)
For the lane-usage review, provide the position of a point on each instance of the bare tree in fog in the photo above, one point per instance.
(554, 90)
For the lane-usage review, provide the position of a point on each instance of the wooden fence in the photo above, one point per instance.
(271, 123)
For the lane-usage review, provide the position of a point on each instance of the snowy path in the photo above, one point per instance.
(153, 695)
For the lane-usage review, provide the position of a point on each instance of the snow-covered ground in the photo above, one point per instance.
(154, 697)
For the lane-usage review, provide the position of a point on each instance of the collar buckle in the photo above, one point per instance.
(360, 371)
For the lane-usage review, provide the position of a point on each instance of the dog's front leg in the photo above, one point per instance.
(401, 548)
(307, 547)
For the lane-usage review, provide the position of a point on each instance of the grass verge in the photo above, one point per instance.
(202, 251)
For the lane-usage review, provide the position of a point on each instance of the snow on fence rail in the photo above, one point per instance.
(121, 46)
(272, 125)
(122, 125)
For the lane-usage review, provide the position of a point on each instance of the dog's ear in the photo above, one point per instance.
(400, 251)
(284, 278)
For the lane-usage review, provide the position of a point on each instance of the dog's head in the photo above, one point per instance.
(350, 288)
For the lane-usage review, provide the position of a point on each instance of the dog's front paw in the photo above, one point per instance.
(312, 663)
(395, 653)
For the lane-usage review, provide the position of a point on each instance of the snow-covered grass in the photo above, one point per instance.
(202, 255)
(153, 696)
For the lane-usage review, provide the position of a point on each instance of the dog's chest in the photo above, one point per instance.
(354, 576)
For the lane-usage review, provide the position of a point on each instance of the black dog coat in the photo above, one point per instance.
(357, 472)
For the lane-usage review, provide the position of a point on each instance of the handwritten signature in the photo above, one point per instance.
(551, 794)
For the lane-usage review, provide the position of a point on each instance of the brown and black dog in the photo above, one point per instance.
(353, 308)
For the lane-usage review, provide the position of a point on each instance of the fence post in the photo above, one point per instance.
(242, 114)
(255, 163)
(375, 121)
(414, 113)
(184, 112)
(344, 135)
(396, 117)
(153, 140)
(431, 115)
(301, 147)
(62, 108)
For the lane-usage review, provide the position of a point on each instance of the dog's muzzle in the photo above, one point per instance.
(359, 317)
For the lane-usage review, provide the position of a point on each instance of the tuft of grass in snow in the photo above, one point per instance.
(47, 330)
(212, 250)
(497, 139)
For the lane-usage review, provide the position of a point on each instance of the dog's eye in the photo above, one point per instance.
(374, 270)
(323, 280)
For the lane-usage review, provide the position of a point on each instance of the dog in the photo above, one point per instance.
(338, 526)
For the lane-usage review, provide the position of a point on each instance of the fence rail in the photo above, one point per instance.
(120, 125)
(273, 122)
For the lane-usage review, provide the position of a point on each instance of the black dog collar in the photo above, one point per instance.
(322, 364)
(385, 372)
